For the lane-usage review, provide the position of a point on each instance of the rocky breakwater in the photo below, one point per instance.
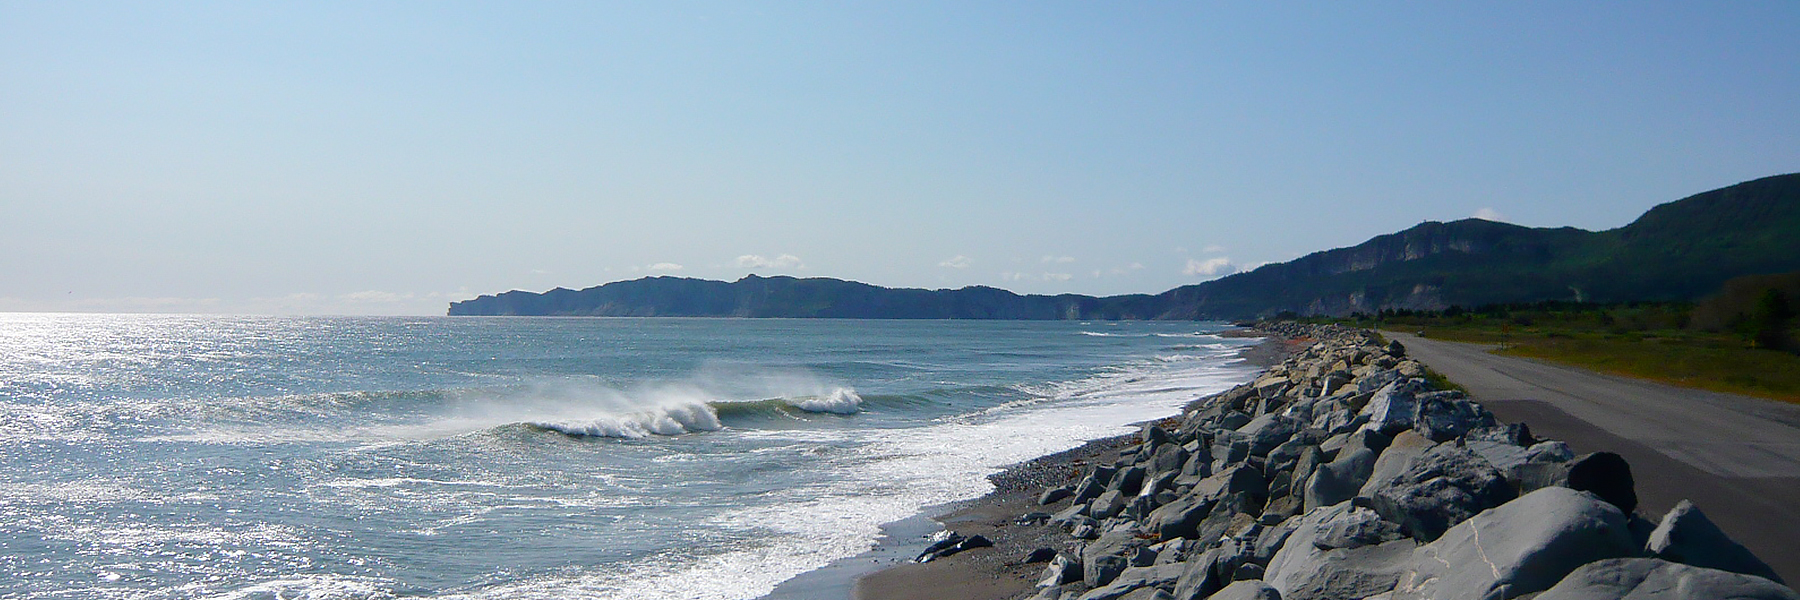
(1342, 473)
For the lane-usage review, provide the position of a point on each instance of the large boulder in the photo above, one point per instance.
(1179, 518)
(1168, 458)
(1061, 570)
(1446, 415)
(1444, 486)
(1392, 409)
(1128, 481)
(1524, 546)
(1105, 558)
(1137, 578)
(1240, 479)
(1207, 573)
(1395, 460)
(1603, 473)
(1268, 431)
(1687, 536)
(1107, 505)
(1654, 579)
(1250, 589)
(1355, 528)
(1340, 479)
(1302, 570)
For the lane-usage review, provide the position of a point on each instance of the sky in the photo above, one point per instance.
(391, 157)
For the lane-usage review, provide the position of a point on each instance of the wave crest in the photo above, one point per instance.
(669, 419)
(692, 416)
(842, 401)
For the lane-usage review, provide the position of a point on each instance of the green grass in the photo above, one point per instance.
(1643, 341)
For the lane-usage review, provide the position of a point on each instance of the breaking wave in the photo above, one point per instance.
(677, 418)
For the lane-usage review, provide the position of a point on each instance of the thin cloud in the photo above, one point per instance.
(1057, 276)
(1211, 267)
(664, 266)
(957, 262)
(1213, 249)
(1058, 259)
(758, 261)
(1489, 214)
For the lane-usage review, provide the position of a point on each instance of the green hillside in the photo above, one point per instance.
(1681, 250)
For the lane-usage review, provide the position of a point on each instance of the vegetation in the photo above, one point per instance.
(1676, 252)
(1662, 341)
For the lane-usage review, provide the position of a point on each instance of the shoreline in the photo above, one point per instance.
(887, 572)
(1341, 472)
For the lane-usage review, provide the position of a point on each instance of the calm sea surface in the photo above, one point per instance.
(262, 457)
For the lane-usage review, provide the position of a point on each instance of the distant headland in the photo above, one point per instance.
(1678, 251)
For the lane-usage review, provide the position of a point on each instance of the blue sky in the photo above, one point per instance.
(353, 159)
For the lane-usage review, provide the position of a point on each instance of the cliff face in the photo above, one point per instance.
(1681, 250)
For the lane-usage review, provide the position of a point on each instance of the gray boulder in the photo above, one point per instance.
(1603, 473)
(1268, 431)
(1148, 593)
(1394, 461)
(1446, 415)
(1355, 528)
(1271, 539)
(1137, 578)
(1524, 546)
(1055, 494)
(1686, 536)
(1374, 380)
(1210, 571)
(1061, 570)
(1179, 518)
(1240, 479)
(1302, 570)
(1392, 409)
(1253, 589)
(1340, 479)
(1108, 504)
(1168, 458)
(1442, 487)
(1105, 558)
(1091, 486)
(1653, 579)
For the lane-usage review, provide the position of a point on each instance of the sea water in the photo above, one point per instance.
(147, 456)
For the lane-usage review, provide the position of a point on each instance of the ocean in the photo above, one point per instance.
(161, 456)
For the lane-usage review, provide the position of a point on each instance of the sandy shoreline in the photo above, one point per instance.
(999, 572)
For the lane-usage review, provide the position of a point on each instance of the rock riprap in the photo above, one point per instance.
(1343, 473)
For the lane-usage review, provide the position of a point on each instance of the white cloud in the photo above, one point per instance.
(1058, 259)
(1489, 214)
(664, 266)
(957, 262)
(1212, 267)
(758, 261)
(1213, 249)
(1058, 277)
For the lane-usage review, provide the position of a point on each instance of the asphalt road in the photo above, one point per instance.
(1736, 457)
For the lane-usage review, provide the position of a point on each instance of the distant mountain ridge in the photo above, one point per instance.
(791, 297)
(1680, 250)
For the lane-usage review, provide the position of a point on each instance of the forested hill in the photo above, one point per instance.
(1681, 250)
(755, 296)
